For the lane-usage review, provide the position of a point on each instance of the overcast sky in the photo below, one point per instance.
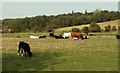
(60, 0)
(27, 9)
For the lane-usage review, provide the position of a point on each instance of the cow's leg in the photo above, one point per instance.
(82, 37)
(78, 37)
(19, 50)
(25, 53)
(22, 52)
(72, 36)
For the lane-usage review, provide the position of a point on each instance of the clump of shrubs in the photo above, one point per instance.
(85, 30)
(107, 28)
(75, 30)
(114, 28)
(94, 27)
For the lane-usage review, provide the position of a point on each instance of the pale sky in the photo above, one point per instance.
(23, 9)
(60, 0)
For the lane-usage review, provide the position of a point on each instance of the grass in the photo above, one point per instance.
(98, 53)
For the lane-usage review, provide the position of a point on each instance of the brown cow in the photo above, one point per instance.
(77, 35)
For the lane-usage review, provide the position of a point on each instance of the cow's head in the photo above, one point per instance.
(30, 54)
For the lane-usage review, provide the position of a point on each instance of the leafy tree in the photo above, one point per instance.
(85, 30)
(107, 28)
(114, 28)
(75, 30)
(94, 27)
(114, 15)
(48, 23)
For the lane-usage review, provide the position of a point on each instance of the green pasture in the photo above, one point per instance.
(98, 53)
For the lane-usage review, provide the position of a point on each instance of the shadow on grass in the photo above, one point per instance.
(39, 61)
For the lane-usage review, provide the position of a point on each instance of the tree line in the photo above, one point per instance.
(48, 23)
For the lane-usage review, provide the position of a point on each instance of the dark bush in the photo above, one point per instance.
(75, 30)
(94, 27)
(85, 30)
(114, 28)
(107, 28)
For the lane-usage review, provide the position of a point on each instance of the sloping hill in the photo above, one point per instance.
(102, 25)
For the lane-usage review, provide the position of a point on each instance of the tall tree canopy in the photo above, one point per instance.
(48, 23)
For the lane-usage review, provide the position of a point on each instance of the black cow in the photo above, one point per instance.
(51, 34)
(118, 36)
(24, 46)
(58, 37)
(44, 36)
(85, 37)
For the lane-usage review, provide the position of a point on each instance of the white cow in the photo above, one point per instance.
(34, 37)
(66, 35)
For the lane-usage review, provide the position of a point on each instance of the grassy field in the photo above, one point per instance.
(98, 53)
(102, 25)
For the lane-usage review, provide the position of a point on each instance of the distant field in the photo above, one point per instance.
(102, 25)
(98, 53)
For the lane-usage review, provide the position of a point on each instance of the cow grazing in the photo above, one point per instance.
(85, 37)
(24, 47)
(34, 37)
(61, 36)
(77, 35)
(44, 36)
(51, 34)
(118, 36)
(58, 37)
(66, 35)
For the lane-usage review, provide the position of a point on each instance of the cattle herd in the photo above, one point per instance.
(74, 35)
(24, 47)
